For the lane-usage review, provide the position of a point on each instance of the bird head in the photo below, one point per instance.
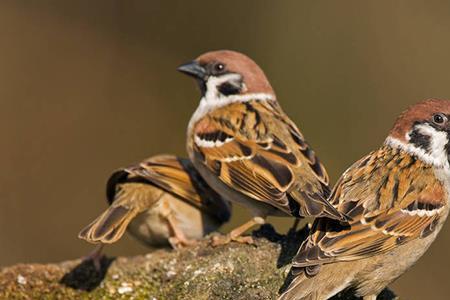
(423, 130)
(228, 74)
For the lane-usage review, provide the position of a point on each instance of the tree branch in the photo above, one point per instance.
(234, 271)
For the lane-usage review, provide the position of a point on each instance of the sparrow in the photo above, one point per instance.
(160, 201)
(397, 198)
(247, 149)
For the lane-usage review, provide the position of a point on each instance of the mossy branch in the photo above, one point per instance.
(234, 271)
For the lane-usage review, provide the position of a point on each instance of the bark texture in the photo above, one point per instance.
(234, 271)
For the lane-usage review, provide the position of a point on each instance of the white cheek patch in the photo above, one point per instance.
(212, 84)
(437, 155)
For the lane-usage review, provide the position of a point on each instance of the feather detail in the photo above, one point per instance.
(179, 177)
(138, 188)
(130, 200)
(254, 148)
(392, 198)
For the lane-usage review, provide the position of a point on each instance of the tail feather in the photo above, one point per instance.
(130, 199)
(315, 205)
(296, 290)
(319, 282)
(110, 226)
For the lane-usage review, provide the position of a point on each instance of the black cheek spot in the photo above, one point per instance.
(227, 89)
(420, 140)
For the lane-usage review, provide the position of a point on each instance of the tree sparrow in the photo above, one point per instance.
(397, 198)
(247, 148)
(162, 200)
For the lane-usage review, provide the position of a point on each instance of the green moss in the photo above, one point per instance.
(233, 271)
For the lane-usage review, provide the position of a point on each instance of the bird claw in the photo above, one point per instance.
(226, 239)
(178, 243)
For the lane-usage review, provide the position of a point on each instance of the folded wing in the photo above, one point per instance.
(391, 201)
(255, 149)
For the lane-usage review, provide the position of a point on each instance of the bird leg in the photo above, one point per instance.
(178, 240)
(236, 234)
(95, 256)
(295, 225)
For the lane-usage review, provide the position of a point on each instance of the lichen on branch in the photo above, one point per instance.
(234, 271)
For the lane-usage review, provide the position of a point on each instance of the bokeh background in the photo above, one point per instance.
(89, 86)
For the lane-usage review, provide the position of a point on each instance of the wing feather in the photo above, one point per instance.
(255, 149)
(392, 199)
(179, 177)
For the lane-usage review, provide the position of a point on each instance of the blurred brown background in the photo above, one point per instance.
(86, 87)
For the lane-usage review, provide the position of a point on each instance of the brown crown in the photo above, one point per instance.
(419, 112)
(235, 62)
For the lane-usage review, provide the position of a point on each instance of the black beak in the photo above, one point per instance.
(193, 69)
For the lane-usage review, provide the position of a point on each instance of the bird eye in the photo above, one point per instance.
(439, 119)
(219, 67)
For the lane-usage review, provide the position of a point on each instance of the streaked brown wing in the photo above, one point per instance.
(391, 197)
(311, 158)
(253, 148)
(178, 176)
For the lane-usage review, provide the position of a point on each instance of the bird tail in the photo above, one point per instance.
(315, 205)
(299, 289)
(318, 282)
(109, 226)
(130, 200)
